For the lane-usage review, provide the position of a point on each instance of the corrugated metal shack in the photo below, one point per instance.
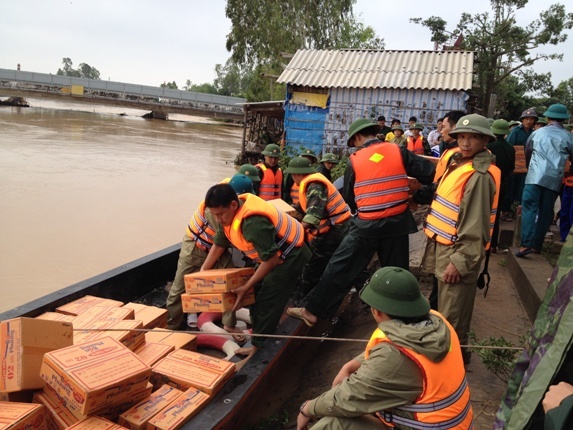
(327, 90)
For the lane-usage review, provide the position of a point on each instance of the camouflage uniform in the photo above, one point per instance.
(322, 246)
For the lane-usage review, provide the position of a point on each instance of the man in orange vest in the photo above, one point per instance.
(417, 143)
(411, 364)
(270, 173)
(195, 246)
(376, 190)
(460, 222)
(290, 187)
(269, 237)
(326, 218)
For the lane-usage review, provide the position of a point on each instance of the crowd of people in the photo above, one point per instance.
(467, 166)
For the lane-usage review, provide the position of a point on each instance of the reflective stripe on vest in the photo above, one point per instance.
(200, 230)
(416, 147)
(289, 232)
(337, 211)
(271, 183)
(443, 162)
(445, 401)
(442, 221)
(294, 194)
(381, 186)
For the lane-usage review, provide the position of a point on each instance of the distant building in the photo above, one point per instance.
(327, 90)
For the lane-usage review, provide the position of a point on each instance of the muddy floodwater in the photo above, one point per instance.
(84, 190)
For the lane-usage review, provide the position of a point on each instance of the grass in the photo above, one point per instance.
(498, 361)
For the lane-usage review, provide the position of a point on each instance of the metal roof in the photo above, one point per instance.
(442, 70)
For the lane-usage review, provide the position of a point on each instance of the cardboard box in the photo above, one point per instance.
(180, 411)
(57, 416)
(151, 353)
(102, 313)
(131, 339)
(150, 316)
(96, 423)
(22, 416)
(137, 417)
(283, 206)
(81, 305)
(187, 369)
(217, 302)
(94, 375)
(55, 316)
(217, 280)
(181, 340)
(111, 412)
(23, 342)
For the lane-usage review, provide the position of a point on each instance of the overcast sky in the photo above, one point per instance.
(149, 42)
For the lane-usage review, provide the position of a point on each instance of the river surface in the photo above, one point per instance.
(84, 190)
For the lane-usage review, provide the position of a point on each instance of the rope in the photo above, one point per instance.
(274, 336)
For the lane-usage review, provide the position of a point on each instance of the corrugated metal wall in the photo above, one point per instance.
(325, 130)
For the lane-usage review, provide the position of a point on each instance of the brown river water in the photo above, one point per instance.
(84, 190)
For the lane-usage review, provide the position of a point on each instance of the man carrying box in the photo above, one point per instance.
(268, 236)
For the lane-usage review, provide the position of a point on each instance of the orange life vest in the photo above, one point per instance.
(200, 230)
(568, 181)
(289, 232)
(443, 162)
(442, 220)
(294, 193)
(381, 186)
(445, 399)
(417, 147)
(337, 211)
(271, 183)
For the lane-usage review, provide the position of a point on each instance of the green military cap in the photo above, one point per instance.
(241, 184)
(513, 122)
(250, 171)
(541, 121)
(272, 150)
(397, 127)
(490, 121)
(557, 111)
(500, 126)
(300, 165)
(416, 127)
(330, 158)
(396, 292)
(361, 124)
(309, 153)
(473, 123)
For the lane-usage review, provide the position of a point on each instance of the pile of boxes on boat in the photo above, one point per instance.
(54, 377)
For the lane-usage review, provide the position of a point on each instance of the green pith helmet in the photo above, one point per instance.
(300, 165)
(397, 127)
(329, 157)
(490, 121)
(473, 123)
(395, 292)
(500, 126)
(241, 184)
(250, 172)
(272, 150)
(541, 121)
(557, 111)
(361, 124)
(310, 154)
(513, 122)
(417, 127)
(529, 113)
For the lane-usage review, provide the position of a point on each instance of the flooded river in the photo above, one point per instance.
(85, 190)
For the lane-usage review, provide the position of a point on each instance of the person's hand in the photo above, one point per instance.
(451, 275)
(556, 394)
(303, 418)
(342, 375)
(240, 292)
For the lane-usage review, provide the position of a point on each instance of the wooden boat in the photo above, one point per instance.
(144, 281)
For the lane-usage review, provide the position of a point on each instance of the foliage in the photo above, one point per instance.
(170, 85)
(83, 71)
(201, 88)
(503, 48)
(498, 361)
(261, 30)
(338, 170)
(564, 94)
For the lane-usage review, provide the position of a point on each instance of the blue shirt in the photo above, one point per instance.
(519, 135)
(548, 149)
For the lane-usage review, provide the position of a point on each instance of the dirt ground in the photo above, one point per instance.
(316, 363)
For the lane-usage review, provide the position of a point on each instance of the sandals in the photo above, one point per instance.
(525, 252)
(297, 313)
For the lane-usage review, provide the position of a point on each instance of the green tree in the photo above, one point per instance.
(83, 71)
(503, 48)
(563, 93)
(200, 88)
(170, 85)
